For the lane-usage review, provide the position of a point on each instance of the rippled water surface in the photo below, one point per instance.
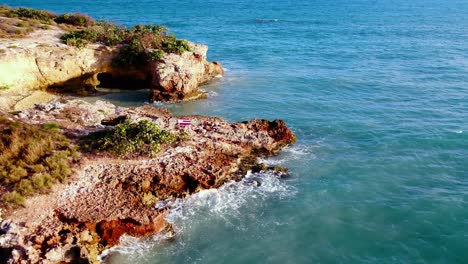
(377, 93)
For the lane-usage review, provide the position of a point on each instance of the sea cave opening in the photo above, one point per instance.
(124, 82)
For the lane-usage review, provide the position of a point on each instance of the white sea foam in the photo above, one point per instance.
(290, 153)
(265, 20)
(133, 248)
(227, 201)
(157, 103)
(212, 94)
(227, 204)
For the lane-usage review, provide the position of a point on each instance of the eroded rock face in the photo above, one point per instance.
(41, 61)
(110, 197)
(177, 77)
(31, 65)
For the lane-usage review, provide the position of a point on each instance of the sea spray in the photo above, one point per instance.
(232, 204)
(296, 152)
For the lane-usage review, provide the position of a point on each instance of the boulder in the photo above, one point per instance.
(177, 77)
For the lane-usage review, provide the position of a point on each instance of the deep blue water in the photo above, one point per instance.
(377, 93)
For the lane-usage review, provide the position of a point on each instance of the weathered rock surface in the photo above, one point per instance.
(42, 61)
(178, 77)
(110, 197)
(31, 65)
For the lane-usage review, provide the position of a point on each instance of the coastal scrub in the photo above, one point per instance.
(143, 138)
(32, 159)
(139, 44)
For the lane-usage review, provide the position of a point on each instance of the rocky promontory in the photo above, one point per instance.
(108, 196)
(79, 56)
(77, 176)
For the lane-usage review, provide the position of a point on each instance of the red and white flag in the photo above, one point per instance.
(184, 122)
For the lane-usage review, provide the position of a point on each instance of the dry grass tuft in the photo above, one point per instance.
(32, 159)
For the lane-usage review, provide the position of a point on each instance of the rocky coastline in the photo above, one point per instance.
(108, 195)
(43, 60)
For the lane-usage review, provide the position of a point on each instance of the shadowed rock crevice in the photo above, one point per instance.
(66, 69)
(115, 81)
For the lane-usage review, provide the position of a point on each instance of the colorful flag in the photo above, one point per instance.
(184, 122)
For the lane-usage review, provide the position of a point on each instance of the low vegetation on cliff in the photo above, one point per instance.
(32, 159)
(140, 44)
(143, 138)
(12, 26)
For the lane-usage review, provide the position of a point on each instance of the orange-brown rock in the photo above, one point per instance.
(111, 196)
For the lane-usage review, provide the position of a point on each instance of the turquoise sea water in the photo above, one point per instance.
(377, 93)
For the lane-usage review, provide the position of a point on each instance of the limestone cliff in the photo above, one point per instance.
(41, 61)
(177, 77)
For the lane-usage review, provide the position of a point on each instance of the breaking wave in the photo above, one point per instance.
(230, 204)
(291, 153)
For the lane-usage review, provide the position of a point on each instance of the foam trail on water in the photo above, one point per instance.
(290, 153)
(228, 204)
(228, 201)
(210, 93)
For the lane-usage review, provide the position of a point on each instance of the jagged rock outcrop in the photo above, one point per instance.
(110, 197)
(41, 61)
(177, 77)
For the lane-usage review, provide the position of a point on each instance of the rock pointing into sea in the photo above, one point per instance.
(42, 61)
(110, 196)
(177, 77)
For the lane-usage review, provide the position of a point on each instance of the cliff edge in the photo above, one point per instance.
(77, 59)
(76, 176)
(108, 196)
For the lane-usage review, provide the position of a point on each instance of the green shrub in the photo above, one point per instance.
(38, 181)
(142, 138)
(48, 181)
(25, 187)
(173, 45)
(30, 155)
(76, 19)
(13, 198)
(140, 44)
(58, 165)
(15, 174)
(21, 24)
(132, 54)
(31, 13)
(38, 168)
(155, 55)
(80, 38)
(51, 127)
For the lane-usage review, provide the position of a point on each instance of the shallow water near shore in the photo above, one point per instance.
(377, 93)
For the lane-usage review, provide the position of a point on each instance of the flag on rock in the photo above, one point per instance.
(184, 122)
